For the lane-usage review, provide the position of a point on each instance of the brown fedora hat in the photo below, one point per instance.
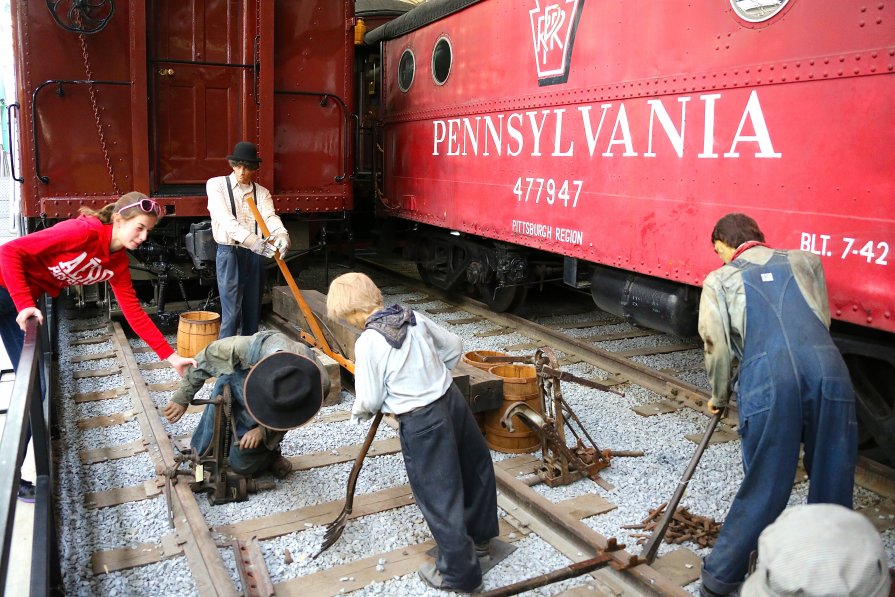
(283, 391)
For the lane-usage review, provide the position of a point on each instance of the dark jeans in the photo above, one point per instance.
(240, 281)
(244, 462)
(452, 477)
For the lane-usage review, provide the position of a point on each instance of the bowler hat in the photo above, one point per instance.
(245, 152)
(283, 391)
(819, 550)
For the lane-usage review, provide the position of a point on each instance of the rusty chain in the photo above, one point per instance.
(99, 126)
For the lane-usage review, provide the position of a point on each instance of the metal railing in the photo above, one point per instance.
(26, 407)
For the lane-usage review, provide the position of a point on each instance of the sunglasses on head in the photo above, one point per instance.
(147, 205)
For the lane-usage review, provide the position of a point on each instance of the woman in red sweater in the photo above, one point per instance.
(84, 250)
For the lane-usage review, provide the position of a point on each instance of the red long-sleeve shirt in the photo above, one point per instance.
(69, 253)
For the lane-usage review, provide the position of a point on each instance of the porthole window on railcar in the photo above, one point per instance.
(442, 58)
(406, 70)
(756, 11)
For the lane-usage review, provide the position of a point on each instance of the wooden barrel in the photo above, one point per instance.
(197, 329)
(520, 384)
(476, 358)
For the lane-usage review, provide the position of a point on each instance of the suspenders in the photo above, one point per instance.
(233, 201)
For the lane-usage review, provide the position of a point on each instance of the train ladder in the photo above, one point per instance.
(318, 339)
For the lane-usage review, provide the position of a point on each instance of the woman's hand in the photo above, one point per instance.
(180, 363)
(27, 312)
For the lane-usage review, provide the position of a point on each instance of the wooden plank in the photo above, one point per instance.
(720, 436)
(106, 354)
(113, 452)
(113, 560)
(283, 523)
(500, 331)
(443, 310)
(681, 566)
(163, 387)
(519, 466)
(464, 320)
(344, 454)
(106, 395)
(97, 373)
(123, 495)
(633, 333)
(524, 347)
(649, 351)
(141, 349)
(340, 334)
(106, 421)
(657, 408)
(590, 323)
(585, 506)
(93, 340)
(333, 417)
(155, 365)
(358, 574)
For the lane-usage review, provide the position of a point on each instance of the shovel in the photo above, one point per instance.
(652, 546)
(335, 528)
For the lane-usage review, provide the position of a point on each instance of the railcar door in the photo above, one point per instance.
(203, 83)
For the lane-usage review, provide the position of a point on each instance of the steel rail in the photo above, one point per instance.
(210, 573)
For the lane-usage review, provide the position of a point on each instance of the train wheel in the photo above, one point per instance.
(425, 275)
(502, 298)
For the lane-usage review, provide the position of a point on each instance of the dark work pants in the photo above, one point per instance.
(794, 389)
(240, 281)
(245, 462)
(452, 477)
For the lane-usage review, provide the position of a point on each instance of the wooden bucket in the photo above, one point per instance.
(476, 358)
(520, 384)
(197, 329)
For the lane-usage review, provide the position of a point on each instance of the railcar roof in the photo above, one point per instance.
(422, 15)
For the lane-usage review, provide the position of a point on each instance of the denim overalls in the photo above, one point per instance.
(793, 389)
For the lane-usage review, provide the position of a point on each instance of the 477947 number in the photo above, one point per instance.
(552, 191)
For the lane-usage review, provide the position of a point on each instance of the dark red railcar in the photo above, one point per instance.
(600, 142)
(116, 96)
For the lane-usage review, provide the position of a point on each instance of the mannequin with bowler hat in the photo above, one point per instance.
(240, 244)
(276, 383)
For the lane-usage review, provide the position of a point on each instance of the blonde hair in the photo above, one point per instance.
(106, 212)
(352, 293)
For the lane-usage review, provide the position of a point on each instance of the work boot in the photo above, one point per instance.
(483, 550)
(26, 491)
(280, 467)
(430, 575)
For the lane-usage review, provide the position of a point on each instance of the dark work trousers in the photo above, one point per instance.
(240, 281)
(793, 389)
(452, 477)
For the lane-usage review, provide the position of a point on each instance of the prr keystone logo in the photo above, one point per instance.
(553, 30)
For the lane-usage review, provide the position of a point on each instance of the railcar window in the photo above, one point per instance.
(441, 60)
(756, 11)
(406, 70)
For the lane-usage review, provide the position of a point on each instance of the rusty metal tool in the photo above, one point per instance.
(652, 546)
(335, 528)
(317, 339)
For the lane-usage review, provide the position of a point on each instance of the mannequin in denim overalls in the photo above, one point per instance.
(793, 389)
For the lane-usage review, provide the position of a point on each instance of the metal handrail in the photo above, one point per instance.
(12, 157)
(26, 407)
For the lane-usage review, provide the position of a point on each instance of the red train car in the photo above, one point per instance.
(600, 142)
(151, 96)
